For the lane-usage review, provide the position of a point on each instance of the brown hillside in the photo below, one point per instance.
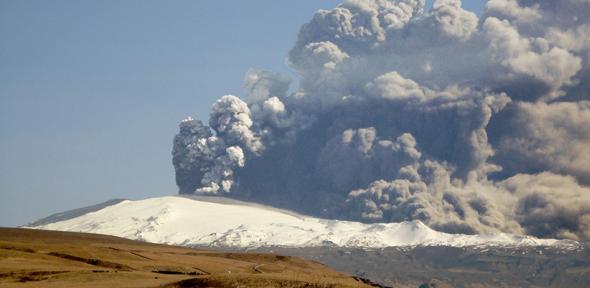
(35, 258)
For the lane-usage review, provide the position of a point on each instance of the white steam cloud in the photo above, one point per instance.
(469, 124)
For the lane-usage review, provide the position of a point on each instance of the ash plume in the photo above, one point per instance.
(469, 124)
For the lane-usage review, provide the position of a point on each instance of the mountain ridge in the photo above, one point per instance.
(224, 222)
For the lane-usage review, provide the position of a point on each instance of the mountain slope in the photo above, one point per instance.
(36, 258)
(67, 215)
(209, 221)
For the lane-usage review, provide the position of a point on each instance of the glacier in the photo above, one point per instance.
(221, 222)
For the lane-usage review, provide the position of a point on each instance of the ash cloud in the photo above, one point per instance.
(469, 124)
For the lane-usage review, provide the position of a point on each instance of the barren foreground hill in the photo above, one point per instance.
(36, 258)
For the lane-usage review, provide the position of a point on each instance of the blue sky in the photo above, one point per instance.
(91, 92)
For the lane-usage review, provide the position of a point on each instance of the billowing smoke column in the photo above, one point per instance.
(469, 124)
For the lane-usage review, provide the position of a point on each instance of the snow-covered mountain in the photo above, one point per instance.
(213, 221)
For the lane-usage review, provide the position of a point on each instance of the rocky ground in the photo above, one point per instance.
(458, 267)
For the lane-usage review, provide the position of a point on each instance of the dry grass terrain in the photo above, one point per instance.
(35, 258)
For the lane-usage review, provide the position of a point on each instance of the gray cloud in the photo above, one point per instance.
(551, 205)
(428, 193)
(548, 137)
(468, 124)
(230, 117)
(512, 10)
(357, 157)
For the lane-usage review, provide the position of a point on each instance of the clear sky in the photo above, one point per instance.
(91, 92)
